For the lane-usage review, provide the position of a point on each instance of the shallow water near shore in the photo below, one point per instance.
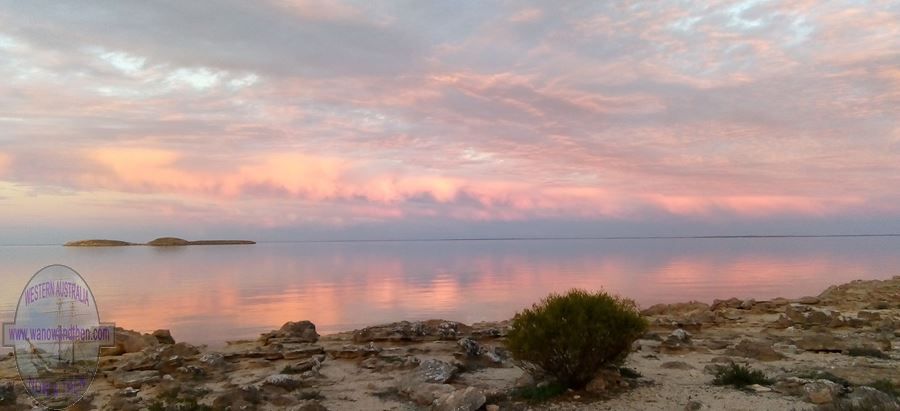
(210, 294)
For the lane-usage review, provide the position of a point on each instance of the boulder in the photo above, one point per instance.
(428, 381)
(679, 341)
(808, 300)
(163, 337)
(868, 398)
(821, 391)
(292, 332)
(467, 399)
(128, 341)
(758, 350)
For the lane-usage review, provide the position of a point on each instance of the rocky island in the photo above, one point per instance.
(159, 242)
(839, 350)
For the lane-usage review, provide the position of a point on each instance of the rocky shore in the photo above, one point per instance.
(838, 350)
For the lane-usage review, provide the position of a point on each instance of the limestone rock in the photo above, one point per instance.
(292, 332)
(821, 391)
(133, 379)
(163, 337)
(412, 331)
(758, 350)
(468, 399)
(821, 342)
(128, 341)
(868, 398)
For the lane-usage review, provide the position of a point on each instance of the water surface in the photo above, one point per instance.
(209, 294)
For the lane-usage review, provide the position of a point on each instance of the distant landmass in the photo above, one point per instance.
(159, 242)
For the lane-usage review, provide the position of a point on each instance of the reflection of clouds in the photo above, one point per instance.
(210, 294)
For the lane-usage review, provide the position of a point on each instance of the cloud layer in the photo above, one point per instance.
(311, 112)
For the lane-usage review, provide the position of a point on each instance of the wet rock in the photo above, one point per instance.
(292, 332)
(130, 392)
(758, 350)
(133, 379)
(163, 337)
(467, 399)
(7, 393)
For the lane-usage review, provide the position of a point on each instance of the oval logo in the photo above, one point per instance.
(56, 336)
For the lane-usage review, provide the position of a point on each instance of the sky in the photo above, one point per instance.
(307, 119)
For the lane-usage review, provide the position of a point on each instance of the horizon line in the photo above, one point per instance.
(544, 238)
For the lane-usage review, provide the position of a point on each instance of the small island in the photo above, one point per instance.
(159, 242)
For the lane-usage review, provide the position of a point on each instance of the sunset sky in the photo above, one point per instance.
(321, 120)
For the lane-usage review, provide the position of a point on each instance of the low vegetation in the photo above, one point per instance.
(740, 376)
(571, 336)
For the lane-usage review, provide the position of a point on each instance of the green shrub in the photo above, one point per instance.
(740, 376)
(572, 336)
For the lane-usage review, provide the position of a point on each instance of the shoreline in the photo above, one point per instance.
(818, 350)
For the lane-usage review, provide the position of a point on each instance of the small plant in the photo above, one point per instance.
(540, 393)
(572, 336)
(867, 352)
(739, 376)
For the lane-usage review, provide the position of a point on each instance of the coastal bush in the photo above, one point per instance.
(739, 376)
(572, 336)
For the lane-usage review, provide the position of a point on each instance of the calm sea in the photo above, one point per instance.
(210, 294)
